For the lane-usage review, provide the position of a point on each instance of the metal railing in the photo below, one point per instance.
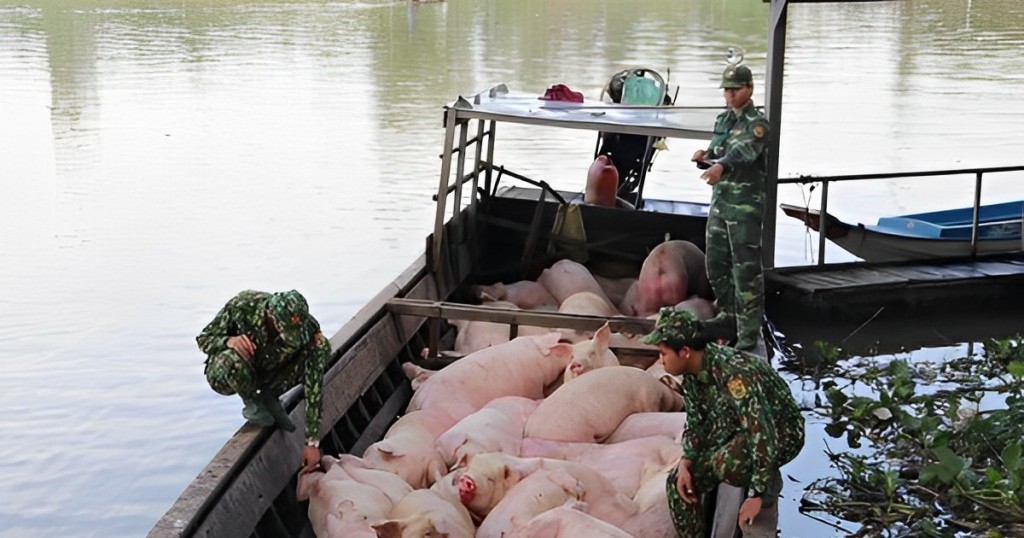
(826, 180)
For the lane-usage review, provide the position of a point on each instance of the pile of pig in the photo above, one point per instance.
(545, 435)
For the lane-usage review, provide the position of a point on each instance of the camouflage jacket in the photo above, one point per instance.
(244, 314)
(739, 394)
(738, 144)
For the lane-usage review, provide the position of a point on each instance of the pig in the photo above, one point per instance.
(389, 483)
(525, 294)
(490, 477)
(472, 335)
(637, 425)
(408, 449)
(671, 273)
(591, 407)
(521, 367)
(426, 512)
(559, 481)
(536, 494)
(591, 354)
(340, 506)
(653, 518)
(569, 522)
(626, 465)
(566, 277)
(498, 427)
(602, 182)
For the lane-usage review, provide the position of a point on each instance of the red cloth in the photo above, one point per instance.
(561, 92)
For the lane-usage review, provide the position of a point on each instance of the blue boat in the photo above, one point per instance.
(949, 233)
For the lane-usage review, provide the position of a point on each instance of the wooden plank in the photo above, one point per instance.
(440, 309)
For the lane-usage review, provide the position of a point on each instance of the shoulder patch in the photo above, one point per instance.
(759, 131)
(737, 389)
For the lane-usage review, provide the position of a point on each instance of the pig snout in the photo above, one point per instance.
(576, 367)
(467, 489)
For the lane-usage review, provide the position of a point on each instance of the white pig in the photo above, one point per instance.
(522, 367)
(591, 407)
(569, 522)
(525, 294)
(408, 449)
(340, 506)
(498, 427)
(638, 425)
(425, 513)
(591, 354)
(566, 277)
(653, 519)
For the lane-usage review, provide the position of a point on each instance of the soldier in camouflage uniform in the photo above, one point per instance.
(737, 172)
(262, 344)
(742, 423)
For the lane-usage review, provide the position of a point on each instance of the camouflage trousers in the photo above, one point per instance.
(228, 373)
(733, 260)
(729, 464)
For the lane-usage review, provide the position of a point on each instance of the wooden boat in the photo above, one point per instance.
(938, 234)
(502, 233)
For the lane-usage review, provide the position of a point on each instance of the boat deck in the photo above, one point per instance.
(857, 289)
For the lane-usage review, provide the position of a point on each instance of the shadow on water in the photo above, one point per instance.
(889, 451)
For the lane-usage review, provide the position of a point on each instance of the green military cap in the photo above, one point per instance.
(290, 310)
(737, 76)
(676, 328)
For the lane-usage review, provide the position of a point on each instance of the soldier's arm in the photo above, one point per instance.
(694, 416)
(746, 147)
(316, 359)
(213, 339)
(748, 396)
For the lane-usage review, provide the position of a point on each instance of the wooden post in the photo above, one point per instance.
(773, 110)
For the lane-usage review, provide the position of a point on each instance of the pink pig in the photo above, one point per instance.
(498, 427)
(340, 506)
(569, 522)
(672, 272)
(591, 354)
(427, 512)
(566, 277)
(591, 407)
(638, 425)
(521, 367)
(408, 449)
(525, 294)
(653, 519)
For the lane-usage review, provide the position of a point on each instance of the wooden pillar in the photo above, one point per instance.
(773, 110)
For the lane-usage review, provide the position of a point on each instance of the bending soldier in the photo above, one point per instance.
(262, 344)
(742, 423)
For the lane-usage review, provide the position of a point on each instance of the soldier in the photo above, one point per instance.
(260, 345)
(736, 169)
(742, 423)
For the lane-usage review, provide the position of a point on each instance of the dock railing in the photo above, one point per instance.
(826, 180)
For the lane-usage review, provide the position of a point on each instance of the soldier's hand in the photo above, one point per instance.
(697, 155)
(684, 482)
(242, 345)
(713, 174)
(310, 459)
(748, 512)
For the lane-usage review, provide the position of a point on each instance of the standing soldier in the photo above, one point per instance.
(742, 423)
(262, 344)
(736, 168)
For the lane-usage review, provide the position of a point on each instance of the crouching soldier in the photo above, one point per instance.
(742, 423)
(259, 346)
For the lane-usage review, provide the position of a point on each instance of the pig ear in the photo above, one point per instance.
(388, 529)
(387, 449)
(602, 335)
(461, 462)
(561, 351)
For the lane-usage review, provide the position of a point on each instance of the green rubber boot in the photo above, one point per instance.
(278, 415)
(256, 412)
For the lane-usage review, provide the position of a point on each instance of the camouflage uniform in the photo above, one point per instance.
(742, 423)
(298, 353)
(733, 233)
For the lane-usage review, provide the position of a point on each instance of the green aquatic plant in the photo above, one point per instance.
(932, 450)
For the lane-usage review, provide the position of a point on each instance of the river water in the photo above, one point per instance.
(157, 156)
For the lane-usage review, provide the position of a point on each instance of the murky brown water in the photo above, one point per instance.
(158, 156)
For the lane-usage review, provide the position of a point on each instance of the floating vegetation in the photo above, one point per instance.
(930, 449)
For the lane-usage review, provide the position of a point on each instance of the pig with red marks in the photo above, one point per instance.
(671, 273)
(591, 407)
